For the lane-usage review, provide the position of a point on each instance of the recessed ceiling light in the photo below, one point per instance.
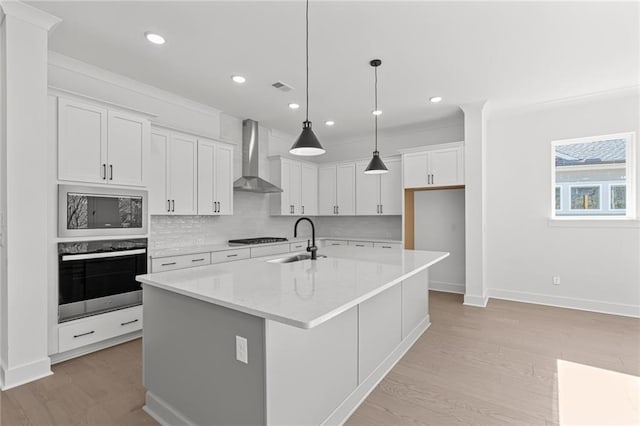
(435, 99)
(154, 38)
(294, 106)
(376, 112)
(329, 122)
(238, 79)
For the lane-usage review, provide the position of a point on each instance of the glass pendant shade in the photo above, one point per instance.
(376, 165)
(307, 143)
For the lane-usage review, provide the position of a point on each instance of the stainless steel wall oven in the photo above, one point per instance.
(99, 276)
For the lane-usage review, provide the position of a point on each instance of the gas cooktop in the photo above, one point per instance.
(259, 240)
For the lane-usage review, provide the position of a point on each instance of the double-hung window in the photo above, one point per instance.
(594, 177)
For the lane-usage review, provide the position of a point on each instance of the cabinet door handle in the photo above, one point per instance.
(302, 209)
(169, 205)
(173, 205)
(104, 171)
(75, 336)
(232, 255)
(337, 209)
(128, 322)
(110, 171)
(377, 208)
(380, 208)
(197, 260)
(168, 264)
(219, 206)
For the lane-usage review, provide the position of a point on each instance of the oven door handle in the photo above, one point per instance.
(68, 257)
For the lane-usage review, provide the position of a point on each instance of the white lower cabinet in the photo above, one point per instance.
(361, 243)
(269, 250)
(298, 246)
(86, 331)
(170, 263)
(331, 243)
(387, 245)
(230, 255)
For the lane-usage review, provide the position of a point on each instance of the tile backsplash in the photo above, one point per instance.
(251, 219)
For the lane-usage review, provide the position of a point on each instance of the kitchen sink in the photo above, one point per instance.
(291, 259)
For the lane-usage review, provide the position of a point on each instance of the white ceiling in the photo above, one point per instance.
(510, 53)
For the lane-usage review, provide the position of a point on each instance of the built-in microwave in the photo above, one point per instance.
(98, 211)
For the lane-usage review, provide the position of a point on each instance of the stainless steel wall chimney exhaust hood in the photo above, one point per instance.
(250, 181)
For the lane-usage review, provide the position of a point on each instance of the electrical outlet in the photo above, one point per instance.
(556, 280)
(241, 350)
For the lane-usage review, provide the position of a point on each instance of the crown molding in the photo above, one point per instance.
(502, 110)
(61, 61)
(29, 14)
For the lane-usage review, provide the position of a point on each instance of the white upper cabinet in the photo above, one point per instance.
(215, 178)
(173, 186)
(101, 145)
(309, 189)
(434, 166)
(379, 194)
(299, 183)
(337, 189)
(326, 190)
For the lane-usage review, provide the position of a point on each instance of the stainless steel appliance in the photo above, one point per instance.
(257, 240)
(99, 211)
(250, 181)
(99, 276)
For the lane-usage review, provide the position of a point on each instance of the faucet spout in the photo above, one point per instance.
(311, 246)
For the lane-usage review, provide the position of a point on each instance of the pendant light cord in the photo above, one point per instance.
(307, 56)
(375, 117)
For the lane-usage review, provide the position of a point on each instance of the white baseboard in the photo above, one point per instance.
(98, 346)
(478, 301)
(16, 376)
(163, 413)
(446, 287)
(566, 302)
(341, 414)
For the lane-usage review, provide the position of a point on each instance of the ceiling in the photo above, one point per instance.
(508, 52)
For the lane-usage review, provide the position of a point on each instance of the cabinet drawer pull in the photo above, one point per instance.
(197, 260)
(232, 255)
(386, 246)
(359, 245)
(75, 336)
(335, 244)
(168, 264)
(129, 322)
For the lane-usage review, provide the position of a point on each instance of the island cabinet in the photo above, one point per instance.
(284, 372)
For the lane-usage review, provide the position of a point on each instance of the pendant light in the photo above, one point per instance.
(307, 143)
(376, 165)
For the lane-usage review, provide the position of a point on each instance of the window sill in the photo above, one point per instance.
(594, 223)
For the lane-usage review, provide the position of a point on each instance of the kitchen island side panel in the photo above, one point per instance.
(181, 335)
(310, 372)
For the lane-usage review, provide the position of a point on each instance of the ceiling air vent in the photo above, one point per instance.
(284, 87)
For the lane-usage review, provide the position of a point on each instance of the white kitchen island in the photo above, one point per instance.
(320, 335)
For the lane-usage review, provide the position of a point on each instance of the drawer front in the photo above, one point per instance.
(330, 243)
(396, 246)
(178, 262)
(86, 331)
(361, 244)
(269, 250)
(298, 246)
(230, 255)
(125, 321)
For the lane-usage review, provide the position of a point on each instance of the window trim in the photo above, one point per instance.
(584, 185)
(613, 185)
(631, 165)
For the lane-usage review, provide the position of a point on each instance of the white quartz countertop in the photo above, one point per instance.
(302, 294)
(177, 251)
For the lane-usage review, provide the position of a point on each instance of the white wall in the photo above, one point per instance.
(599, 266)
(439, 226)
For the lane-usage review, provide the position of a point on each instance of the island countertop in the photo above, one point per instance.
(303, 294)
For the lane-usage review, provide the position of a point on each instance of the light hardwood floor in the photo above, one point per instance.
(489, 366)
